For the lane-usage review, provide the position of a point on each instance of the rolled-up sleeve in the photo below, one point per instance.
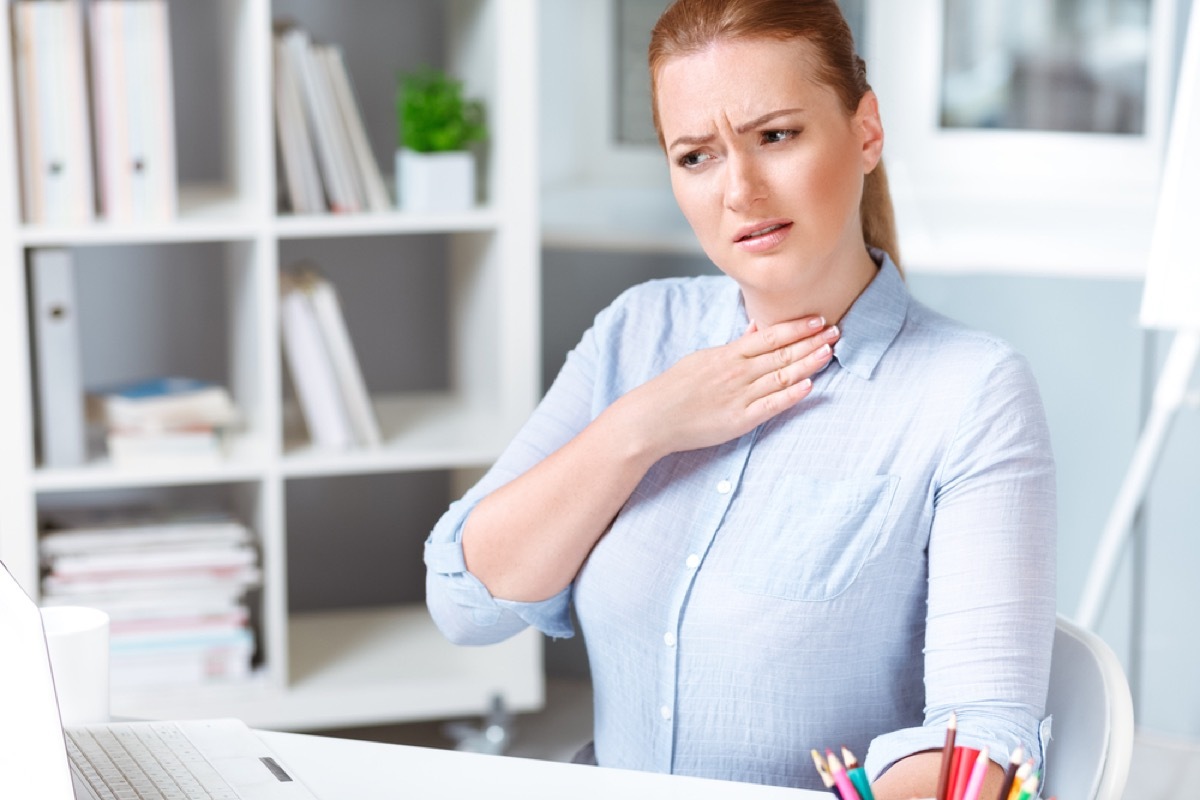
(459, 603)
(990, 618)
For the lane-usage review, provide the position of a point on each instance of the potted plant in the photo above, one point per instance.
(435, 168)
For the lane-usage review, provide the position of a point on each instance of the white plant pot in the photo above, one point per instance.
(435, 181)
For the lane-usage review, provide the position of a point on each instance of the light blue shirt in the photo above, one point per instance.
(848, 573)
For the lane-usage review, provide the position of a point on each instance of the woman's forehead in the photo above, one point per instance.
(740, 79)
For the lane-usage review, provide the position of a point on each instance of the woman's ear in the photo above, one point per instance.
(869, 126)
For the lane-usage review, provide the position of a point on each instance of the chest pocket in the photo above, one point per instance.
(812, 540)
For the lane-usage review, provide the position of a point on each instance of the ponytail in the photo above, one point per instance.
(878, 215)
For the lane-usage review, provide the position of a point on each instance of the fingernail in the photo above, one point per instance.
(833, 332)
(816, 323)
(824, 350)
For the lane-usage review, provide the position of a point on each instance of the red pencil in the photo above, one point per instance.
(947, 758)
(975, 782)
(963, 762)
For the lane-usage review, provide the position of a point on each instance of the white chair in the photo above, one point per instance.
(1091, 742)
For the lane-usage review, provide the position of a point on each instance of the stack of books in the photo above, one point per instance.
(324, 369)
(163, 420)
(125, 70)
(176, 588)
(323, 147)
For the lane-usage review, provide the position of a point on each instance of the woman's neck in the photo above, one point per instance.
(830, 295)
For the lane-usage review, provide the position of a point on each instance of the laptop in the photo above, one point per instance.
(186, 760)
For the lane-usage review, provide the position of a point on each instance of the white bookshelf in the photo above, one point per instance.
(341, 666)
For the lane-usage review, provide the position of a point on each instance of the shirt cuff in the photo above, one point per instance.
(550, 616)
(889, 748)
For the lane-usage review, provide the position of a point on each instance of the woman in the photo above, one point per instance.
(793, 508)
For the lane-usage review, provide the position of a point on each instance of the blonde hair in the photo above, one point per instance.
(689, 26)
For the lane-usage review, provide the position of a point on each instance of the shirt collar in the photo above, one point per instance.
(872, 323)
(868, 328)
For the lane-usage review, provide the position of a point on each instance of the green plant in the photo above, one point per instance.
(433, 116)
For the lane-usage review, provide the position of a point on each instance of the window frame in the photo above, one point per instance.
(957, 162)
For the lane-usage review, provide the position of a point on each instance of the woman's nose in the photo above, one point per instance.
(744, 182)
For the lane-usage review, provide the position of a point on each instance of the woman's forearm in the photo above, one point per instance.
(528, 539)
(917, 777)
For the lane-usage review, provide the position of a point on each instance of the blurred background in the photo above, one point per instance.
(1025, 143)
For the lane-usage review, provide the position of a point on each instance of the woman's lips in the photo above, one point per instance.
(762, 237)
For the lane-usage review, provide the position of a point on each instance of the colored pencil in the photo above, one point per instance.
(1029, 789)
(845, 787)
(947, 758)
(1014, 762)
(1019, 778)
(975, 782)
(858, 775)
(963, 761)
(823, 771)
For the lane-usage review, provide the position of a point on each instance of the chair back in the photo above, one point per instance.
(1091, 743)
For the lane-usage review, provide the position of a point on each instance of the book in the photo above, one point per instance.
(182, 663)
(364, 163)
(140, 447)
(346, 369)
(162, 403)
(311, 367)
(54, 313)
(52, 112)
(88, 530)
(320, 132)
(160, 560)
(302, 180)
(133, 109)
(319, 113)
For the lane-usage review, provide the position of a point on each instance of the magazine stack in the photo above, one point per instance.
(177, 588)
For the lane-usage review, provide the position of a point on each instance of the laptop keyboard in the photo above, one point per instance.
(144, 762)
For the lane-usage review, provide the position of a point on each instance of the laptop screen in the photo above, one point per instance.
(33, 753)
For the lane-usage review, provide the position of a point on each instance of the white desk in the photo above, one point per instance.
(344, 769)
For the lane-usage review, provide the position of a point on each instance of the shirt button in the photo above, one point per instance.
(724, 487)
(669, 639)
(665, 711)
(693, 561)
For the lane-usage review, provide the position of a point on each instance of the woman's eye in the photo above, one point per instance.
(773, 137)
(694, 159)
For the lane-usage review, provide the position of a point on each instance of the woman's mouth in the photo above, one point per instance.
(763, 237)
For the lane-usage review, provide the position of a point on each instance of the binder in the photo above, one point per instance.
(311, 368)
(52, 129)
(61, 417)
(134, 110)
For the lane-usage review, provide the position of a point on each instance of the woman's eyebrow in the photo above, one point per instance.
(765, 118)
(692, 140)
(743, 128)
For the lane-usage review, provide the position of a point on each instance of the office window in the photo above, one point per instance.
(631, 39)
(1075, 66)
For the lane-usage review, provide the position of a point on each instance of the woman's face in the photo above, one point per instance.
(765, 163)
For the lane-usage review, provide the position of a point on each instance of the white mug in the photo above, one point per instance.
(77, 638)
